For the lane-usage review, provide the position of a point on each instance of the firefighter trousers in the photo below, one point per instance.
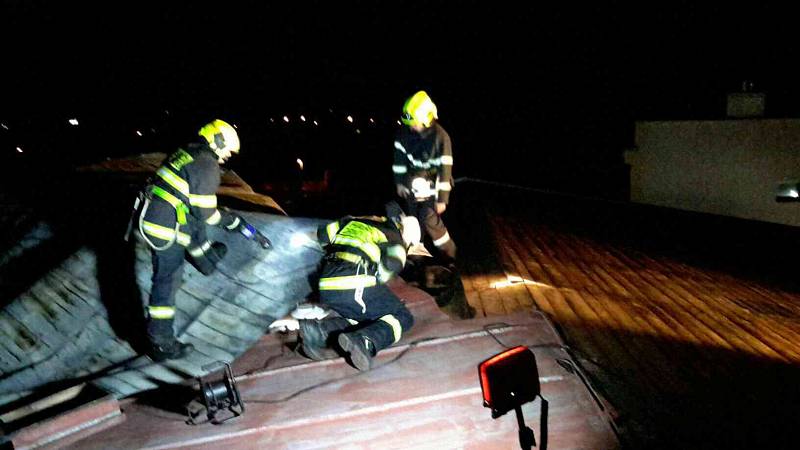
(167, 276)
(383, 318)
(433, 226)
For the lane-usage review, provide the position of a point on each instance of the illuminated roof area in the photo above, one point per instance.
(424, 393)
(688, 324)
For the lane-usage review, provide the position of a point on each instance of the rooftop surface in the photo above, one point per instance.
(684, 325)
(424, 393)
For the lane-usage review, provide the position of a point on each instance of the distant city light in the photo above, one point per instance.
(350, 119)
(286, 119)
(371, 120)
(303, 118)
(236, 126)
(4, 126)
(166, 111)
(272, 120)
(73, 122)
(138, 133)
(19, 149)
(315, 123)
(358, 131)
(398, 122)
(300, 163)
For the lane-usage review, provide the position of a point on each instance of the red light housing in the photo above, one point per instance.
(508, 380)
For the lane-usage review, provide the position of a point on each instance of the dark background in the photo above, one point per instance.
(531, 93)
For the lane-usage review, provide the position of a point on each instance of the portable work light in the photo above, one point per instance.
(509, 380)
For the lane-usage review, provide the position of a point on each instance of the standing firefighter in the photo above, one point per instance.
(362, 255)
(177, 207)
(423, 164)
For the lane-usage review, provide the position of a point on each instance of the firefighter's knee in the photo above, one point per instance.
(405, 318)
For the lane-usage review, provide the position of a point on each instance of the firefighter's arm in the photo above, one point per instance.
(246, 229)
(327, 233)
(400, 168)
(393, 259)
(444, 179)
(204, 179)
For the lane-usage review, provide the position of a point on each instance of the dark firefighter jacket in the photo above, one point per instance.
(366, 251)
(427, 154)
(184, 191)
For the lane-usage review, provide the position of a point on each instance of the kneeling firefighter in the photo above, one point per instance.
(362, 255)
(175, 210)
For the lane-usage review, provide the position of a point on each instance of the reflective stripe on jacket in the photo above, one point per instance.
(427, 154)
(184, 191)
(371, 247)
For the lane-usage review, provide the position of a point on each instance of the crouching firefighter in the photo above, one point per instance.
(362, 255)
(175, 210)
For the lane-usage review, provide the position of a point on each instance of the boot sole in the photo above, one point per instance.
(360, 360)
(319, 354)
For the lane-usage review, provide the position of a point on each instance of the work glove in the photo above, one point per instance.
(403, 191)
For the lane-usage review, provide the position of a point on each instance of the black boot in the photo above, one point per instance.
(315, 336)
(360, 349)
(170, 350)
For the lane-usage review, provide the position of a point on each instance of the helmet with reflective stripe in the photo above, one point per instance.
(419, 109)
(220, 135)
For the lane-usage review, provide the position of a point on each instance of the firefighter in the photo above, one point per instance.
(362, 255)
(423, 164)
(177, 206)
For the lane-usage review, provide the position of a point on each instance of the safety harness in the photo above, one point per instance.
(170, 235)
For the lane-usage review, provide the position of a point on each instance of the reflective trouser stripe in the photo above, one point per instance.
(397, 329)
(347, 282)
(164, 233)
(399, 169)
(442, 240)
(161, 312)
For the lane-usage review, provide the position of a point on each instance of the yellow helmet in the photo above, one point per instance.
(419, 109)
(220, 135)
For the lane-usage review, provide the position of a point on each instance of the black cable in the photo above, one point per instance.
(409, 347)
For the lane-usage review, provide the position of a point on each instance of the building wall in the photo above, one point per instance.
(727, 167)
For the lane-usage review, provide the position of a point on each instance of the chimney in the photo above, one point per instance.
(746, 104)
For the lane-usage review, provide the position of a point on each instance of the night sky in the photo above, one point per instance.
(554, 87)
